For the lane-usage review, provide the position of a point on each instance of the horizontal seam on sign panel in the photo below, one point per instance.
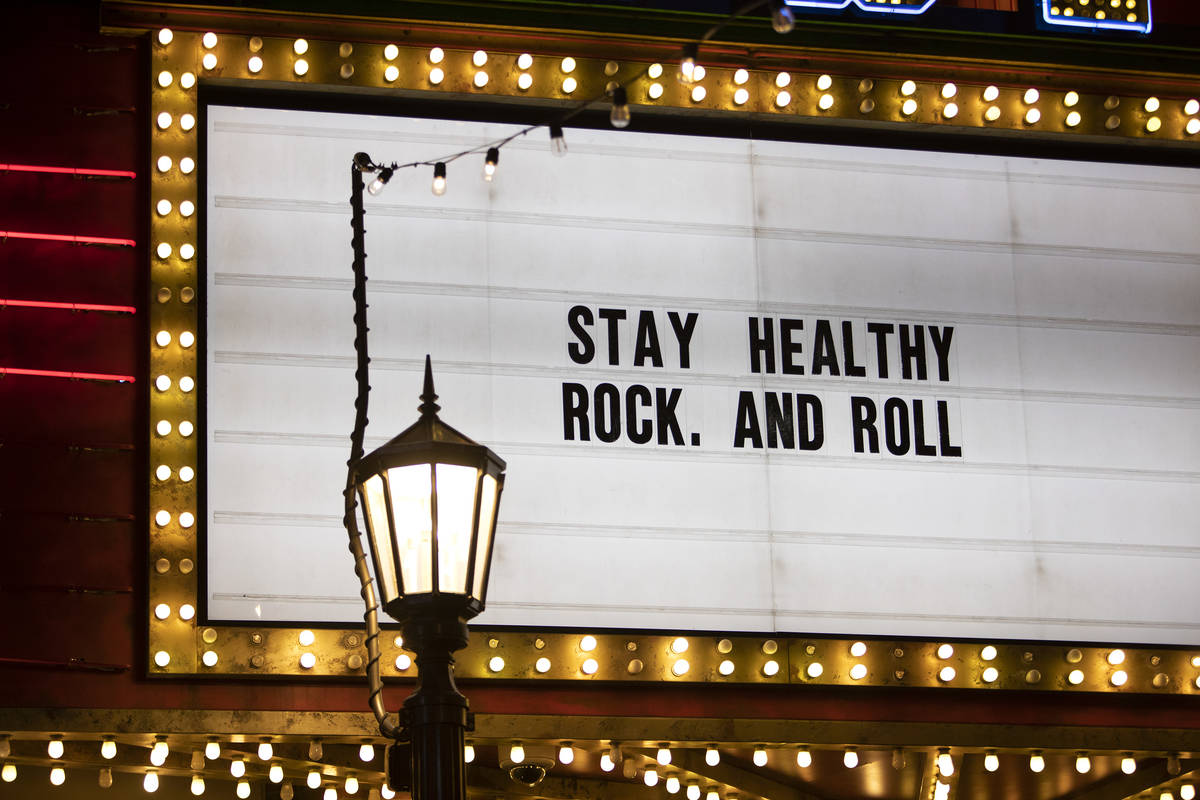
(941, 617)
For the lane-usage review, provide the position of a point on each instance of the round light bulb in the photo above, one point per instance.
(351, 784)
(1083, 764)
(243, 789)
(672, 784)
(606, 763)
(760, 757)
(991, 762)
(187, 80)
(946, 674)
(814, 670)
(265, 751)
(650, 776)
(437, 75)
(108, 749)
(237, 767)
(330, 793)
(366, 752)
(1070, 99)
(496, 663)
(54, 748)
(990, 675)
(1128, 765)
(1073, 119)
(516, 753)
(566, 754)
(590, 666)
(542, 665)
(8, 773)
(255, 64)
(803, 758)
(949, 90)
(858, 672)
(275, 774)
(588, 643)
(185, 428)
(391, 73)
(908, 88)
(680, 668)
(165, 36)
(712, 756)
(163, 207)
(524, 61)
(726, 667)
(1075, 677)
(1031, 96)
(209, 658)
(950, 110)
(992, 113)
(390, 52)
(1037, 763)
(945, 764)
(850, 758)
(909, 107)
(314, 779)
(739, 97)
(209, 61)
(991, 93)
(468, 753)
(209, 40)
(187, 208)
(300, 67)
(186, 474)
(693, 791)
(187, 165)
(162, 611)
(212, 751)
(150, 782)
(308, 660)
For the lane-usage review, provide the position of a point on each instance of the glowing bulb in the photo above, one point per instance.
(366, 752)
(945, 764)
(1119, 678)
(1070, 99)
(524, 61)
(991, 762)
(542, 665)
(387, 792)
(858, 649)
(1187, 792)
(712, 795)
(8, 773)
(850, 758)
(1036, 763)
(815, 670)
(950, 111)
(1075, 677)
(992, 114)
(300, 67)
(165, 36)
(187, 165)
(314, 779)
(1073, 119)
(1031, 96)
(391, 72)
(566, 754)
(58, 777)
(108, 749)
(1128, 765)
(308, 660)
(265, 751)
(655, 91)
(150, 782)
(687, 64)
(1151, 105)
(516, 753)
(680, 668)
(55, 748)
(208, 658)
(824, 83)
(908, 88)
(672, 784)
(909, 107)
(712, 756)
(588, 643)
(187, 80)
(1193, 126)
(990, 675)
(1032, 116)
(209, 61)
(781, 99)
(275, 774)
(760, 757)
(212, 751)
(1191, 107)
(1083, 764)
(946, 674)
(436, 55)
(390, 52)
(693, 791)
(329, 794)
(606, 763)
(496, 663)
(237, 767)
(243, 789)
(825, 102)
(351, 784)
(590, 666)
(650, 776)
(740, 77)
(209, 40)
(663, 756)
(1153, 124)
(468, 753)
(160, 751)
(437, 75)
(654, 71)
(990, 94)
(255, 64)
(403, 662)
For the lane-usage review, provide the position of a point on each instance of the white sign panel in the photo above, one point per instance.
(740, 385)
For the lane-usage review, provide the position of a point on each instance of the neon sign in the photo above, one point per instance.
(1113, 15)
(879, 6)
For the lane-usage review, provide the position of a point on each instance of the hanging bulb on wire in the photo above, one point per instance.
(782, 19)
(439, 178)
(489, 163)
(380, 181)
(558, 145)
(687, 65)
(619, 116)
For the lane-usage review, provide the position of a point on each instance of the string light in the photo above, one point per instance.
(439, 178)
(945, 763)
(516, 753)
(314, 779)
(8, 773)
(265, 751)
(1036, 762)
(566, 754)
(1128, 765)
(850, 758)
(197, 785)
(663, 756)
(489, 163)
(991, 762)
(54, 748)
(150, 782)
(1083, 764)
(237, 767)
(159, 752)
(108, 748)
(366, 752)
(712, 756)
(619, 116)
(243, 789)
(558, 145)
(760, 757)
(212, 750)
(650, 776)
(58, 776)
(803, 758)
(105, 778)
(275, 774)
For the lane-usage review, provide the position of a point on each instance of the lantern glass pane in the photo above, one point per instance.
(483, 545)
(385, 563)
(456, 516)
(412, 488)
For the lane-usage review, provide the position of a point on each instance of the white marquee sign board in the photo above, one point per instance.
(740, 385)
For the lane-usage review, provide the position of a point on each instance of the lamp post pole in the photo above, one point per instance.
(430, 498)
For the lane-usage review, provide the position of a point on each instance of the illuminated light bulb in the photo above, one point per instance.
(781, 99)
(850, 758)
(162, 383)
(237, 767)
(308, 660)
(542, 665)
(1083, 764)
(949, 90)
(740, 76)
(160, 751)
(351, 784)
(403, 662)
(1031, 96)
(163, 207)
(186, 474)
(390, 52)
(186, 384)
(1187, 791)
(991, 762)
(1151, 105)
(391, 73)
(1073, 119)
(481, 79)
(990, 675)
(712, 795)
(496, 663)
(992, 114)
(945, 764)
(366, 752)
(108, 748)
(255, 64)
(265, 751)
(1166, 795)
(739, 97)
(164, 121)
(1070, 99)
(163, 428)
(1128, 765)
(1075, 677)
(945, 651)
(824, 82)
(275, 774)
(950, 111)
(479, 58)
(1119, 678)
(165, 36)
(187, 80)
(908, 88)
(209, 658)
(300, 47)
(655, 91)
(8, 773)
(468, 753)
(825, 102)
(783, 79)
(1191, 107)
(590, 666)
(1032, 116)
(162, 611)
(654, 71)
(105, 778)
(567, 65)
(209, 61)
(243, 789)
(858, 649)
(524, 61)
(663, 756)
(164, 163)
(566, 754)
(588, 643)
(1116, 657)
(436, 54)
(699, 93)
(987, 653)
(693, 791)
(858, 672)
(55, 747)
(387, 792)
(946, 674)
(606, 763)
(209, 40)
(314, 779)
(679, 645)
(300, 67)
(990, 94)
(165, 79)
(162, 518)
(163, 250)
(712, 756)
(330, 793)
(1036, 762)
(687, 63)
(909, 107)
(1193, 126)
(212, 750)
(815, 670)
(187, 519)
(187, 165)
(760, 757)
(306, 638)
(516, 753)
(150, 782)
(1153, 124)
(650, 776)
(672, 785)
(680, 668)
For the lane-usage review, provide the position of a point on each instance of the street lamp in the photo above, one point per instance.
(430, 498)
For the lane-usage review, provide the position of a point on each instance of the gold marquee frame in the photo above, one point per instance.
(182, 645)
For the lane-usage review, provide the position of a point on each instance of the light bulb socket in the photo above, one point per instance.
(439, 170)
(363, 162)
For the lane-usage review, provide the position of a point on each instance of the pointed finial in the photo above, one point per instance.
(429, 406)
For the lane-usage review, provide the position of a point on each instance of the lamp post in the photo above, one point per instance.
(430, 498)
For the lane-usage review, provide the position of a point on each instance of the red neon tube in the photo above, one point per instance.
(67, 306)
(63, 237)
(77, 376)
(82, 171)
